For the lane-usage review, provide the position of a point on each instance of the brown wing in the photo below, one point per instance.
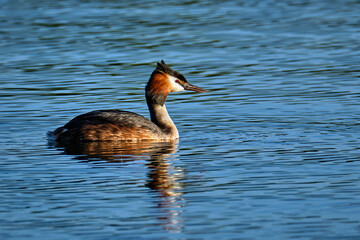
(107, 125)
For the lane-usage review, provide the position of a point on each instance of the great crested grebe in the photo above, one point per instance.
(117, 125)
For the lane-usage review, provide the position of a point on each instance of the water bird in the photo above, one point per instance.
(118, 125)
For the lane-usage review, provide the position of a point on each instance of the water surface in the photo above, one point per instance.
(272, 152)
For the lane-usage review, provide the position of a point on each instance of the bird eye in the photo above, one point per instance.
(177, 81)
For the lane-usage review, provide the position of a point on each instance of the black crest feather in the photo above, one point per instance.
(164, 68)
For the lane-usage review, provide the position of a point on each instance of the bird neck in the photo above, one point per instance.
(160, 116)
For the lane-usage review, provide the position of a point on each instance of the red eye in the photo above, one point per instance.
(177, 81)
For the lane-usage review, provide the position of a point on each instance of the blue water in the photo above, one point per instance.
(272, 152)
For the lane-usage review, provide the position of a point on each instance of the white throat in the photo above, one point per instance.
(175, 87)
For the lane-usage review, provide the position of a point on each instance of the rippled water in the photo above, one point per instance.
(272, 152)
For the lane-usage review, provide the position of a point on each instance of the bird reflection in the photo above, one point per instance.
(163, 178)
(121, 151)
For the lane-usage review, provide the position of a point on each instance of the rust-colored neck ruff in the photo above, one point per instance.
(157, 88)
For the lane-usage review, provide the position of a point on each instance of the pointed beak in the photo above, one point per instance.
(191, 87)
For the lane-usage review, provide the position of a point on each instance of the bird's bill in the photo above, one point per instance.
(191, 87)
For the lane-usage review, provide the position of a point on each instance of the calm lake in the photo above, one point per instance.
(271, 152)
